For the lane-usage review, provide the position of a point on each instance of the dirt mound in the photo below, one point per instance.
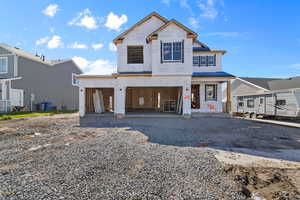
(266, 183)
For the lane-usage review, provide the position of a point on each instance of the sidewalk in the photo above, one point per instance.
(281, 123)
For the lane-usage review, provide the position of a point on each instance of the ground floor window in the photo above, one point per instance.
(250, 103)
(211, 92)
(280, 102)
(241, 104)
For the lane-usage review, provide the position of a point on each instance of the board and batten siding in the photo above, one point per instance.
(48, 83)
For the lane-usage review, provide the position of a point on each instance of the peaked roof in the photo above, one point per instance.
(153, 14)
(22, 53)
(260, 82)
(173, 21)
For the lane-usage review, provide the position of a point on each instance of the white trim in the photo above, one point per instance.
(4, 58)
(172, 59)
(11, 79)
(73, 78)
(15, 65)
(251, 84)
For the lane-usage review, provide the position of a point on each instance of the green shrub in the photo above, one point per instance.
(5, 117)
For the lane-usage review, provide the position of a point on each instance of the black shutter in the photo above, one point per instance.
(206, 61)
(182, 59)
(199, 57)
(161, 54)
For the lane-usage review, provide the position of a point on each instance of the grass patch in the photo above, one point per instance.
(22, 114)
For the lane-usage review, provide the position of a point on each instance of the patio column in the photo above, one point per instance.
(81, 101)
(4, 91)
(186, 104)
(228, 103)
(120, 94)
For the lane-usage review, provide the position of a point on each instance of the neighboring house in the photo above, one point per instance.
(27, 80)
(161, 67)
(266, 96)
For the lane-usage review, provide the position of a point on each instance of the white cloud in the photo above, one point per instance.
(208, 8)
(42, 40)
(85, 19)
(51, 10)
(112, 47)
(55, 42)
(167, 2)
(99, 66)
(52, 30)
(97, 46)
(77, 45)
(194, 22)
(114, 22)
(184, 4)
(296, 66)
(81, 62)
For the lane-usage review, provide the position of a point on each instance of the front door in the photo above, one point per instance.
(195, 95)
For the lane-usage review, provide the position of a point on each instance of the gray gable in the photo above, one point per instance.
(261, 82)
(4, 51)
(285, 83)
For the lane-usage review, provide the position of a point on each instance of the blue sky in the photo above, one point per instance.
(262, 37)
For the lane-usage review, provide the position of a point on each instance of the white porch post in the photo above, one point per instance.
(186, 105)
(120, 95)
(81, 101)
(4, 91)
(228, 103)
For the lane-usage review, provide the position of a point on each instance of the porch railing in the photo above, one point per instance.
(4, 106)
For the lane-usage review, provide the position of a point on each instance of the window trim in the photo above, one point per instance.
(74, 84)
(142, 53)
(241, 104)
(282, 102)
(215, 86)
(172, 49)
(252, 100)
(6, 70)
(206, 58)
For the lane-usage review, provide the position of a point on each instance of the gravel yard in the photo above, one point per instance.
(54, 158)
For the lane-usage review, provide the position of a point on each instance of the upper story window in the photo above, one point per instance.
(75, 82)
(204, 60)
(3, 65)
(135, 55)
(172, 51)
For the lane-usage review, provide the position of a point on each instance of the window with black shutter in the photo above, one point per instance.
(135, 55)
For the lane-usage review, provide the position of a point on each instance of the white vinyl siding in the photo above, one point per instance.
(3, 65)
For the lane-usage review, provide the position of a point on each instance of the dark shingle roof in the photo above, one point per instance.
(261, 82)
(285, 83)
(212, 74)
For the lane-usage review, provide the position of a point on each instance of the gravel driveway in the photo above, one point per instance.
(54, 158)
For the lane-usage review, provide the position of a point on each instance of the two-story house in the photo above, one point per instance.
(161, 68)
(27, 80)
